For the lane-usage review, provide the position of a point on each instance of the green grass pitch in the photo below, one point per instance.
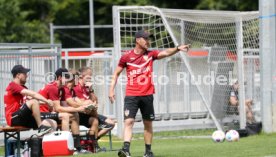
(263, 145)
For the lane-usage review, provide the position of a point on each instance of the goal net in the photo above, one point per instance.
(193, 89)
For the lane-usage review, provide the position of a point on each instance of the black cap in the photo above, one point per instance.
(19, 69)
(62, 72)
(143, 34)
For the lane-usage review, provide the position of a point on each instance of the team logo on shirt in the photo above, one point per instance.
(126, 112)
(145, 57)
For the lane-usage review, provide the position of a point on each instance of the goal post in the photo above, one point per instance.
(219, 40)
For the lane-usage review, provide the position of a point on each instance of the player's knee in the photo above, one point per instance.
(129, 121)
(110, 121)
(73, 116)
(64, 116)
(93, 121)
(50, 122)
(32, 103)
(112, 126)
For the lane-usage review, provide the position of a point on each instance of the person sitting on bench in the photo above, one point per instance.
(55, 91)
(21, 104)
(234, 102)
(99, 124)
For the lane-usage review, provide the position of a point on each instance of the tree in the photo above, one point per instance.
(28, 20)
(72, 12)
(12, 22)
(21, 21)
(234, 5)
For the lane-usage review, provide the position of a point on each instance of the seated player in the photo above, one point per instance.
(19, 110)
(84, 91)
(54, 91)
(234, 102)
(86, 118)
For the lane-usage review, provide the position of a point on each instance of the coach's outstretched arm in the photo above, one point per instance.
(171, 51)
(115, 76)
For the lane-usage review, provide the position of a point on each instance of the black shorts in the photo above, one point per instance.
(144, 103)
(24, 117)
(84, 119)
(101, 119)
(50, 115)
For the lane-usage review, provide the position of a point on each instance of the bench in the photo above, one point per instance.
(12, 132)
(110, 140)
(84, 132)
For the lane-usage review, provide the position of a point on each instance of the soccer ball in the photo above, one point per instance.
(232, 135)
(218, 136)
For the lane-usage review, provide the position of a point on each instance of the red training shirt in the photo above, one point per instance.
(81, 92)
(52, 92)
(68, 93)
(139, 69)
(13, 99)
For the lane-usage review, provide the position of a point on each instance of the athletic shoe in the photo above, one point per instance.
(148, 154)
(81, 151)
(105, 126)
(123, 153)
(42, 130)
(99, 149)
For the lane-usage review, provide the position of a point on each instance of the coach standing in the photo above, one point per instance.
(140, 89)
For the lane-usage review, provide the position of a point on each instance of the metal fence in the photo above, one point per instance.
(101, 62)
(77, 36)
(40, 58)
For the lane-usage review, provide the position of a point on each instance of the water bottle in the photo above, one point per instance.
(26, 150)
